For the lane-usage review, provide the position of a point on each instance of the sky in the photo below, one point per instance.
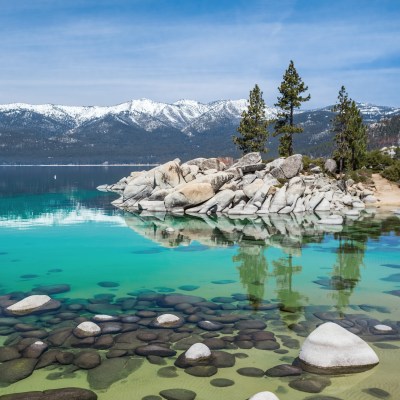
(105, 52)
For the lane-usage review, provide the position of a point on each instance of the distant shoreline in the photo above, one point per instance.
(79, 165)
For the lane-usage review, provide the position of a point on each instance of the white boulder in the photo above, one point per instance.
(29, 304)
(167, 319)
(332, 349)
(383, 328)
(197, 351)
(264, 396)
(87, 329)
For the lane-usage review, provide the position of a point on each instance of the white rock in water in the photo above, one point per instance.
(264, 396)
(383, 328)
(170, 230)
(167, 319)
(104, 318)
(87, 329)
(331, 348)
(29, 304)
(197, 352)
(352, 213)
(332, 220)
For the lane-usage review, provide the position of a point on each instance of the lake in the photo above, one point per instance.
(283, 275)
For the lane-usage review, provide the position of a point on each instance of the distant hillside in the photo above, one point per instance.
(147, 131)
(385, 133)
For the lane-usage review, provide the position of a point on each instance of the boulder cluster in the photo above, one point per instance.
(247, 187)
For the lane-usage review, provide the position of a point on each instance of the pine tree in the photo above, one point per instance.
(291, 89)
(350, 133)
(253, 125)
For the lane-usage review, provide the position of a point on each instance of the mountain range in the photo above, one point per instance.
(147, 131)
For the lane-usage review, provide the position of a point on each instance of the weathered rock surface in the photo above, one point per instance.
(205, 186)
(53, 394)
(29, 305)
(331, 349)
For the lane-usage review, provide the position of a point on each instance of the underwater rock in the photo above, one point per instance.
(53, 394)
(15, 370)
(310, 385)
(202, 371)
(283, 370)
(332, 349)
(264, 396)
(87, 360)
(178, 394)
(33, 304)
(87, 329)
(167, 321)
(251, 371)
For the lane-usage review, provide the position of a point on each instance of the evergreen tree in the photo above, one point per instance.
(291, 89)
(350, 133)
(253, 125)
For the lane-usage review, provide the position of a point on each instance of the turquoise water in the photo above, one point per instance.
(55, 226)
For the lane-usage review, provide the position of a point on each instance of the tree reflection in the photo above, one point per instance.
(283, 271)
(346, 270)
(252, 271)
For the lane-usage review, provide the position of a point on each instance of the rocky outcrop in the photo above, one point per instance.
(331, 349)
(248, 187)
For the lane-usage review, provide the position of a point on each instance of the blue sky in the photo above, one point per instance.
(104, 52)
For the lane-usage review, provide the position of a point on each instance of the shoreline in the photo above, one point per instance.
(79, 165)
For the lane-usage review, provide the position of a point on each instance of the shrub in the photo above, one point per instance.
(309, 162)
(393, 172)
(378, 161)
(360, 175)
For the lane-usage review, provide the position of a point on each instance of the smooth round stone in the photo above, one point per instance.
(210, 325)
(156, 360)
(244, 344)
(29, 304)
(116, 353)
(264, 396)
(222, 359)
(222, 382)
(8, 353)
(54, 394)
(343, 351)
(29, 276)
(87, 360)
(154, 350)
(110, 327)
(183, 306)
(15, 370)
(262, 335)
(283, 370)
(221, 299)
(130, 319)
(167, 372)
(151, 397)
(104, 318)
(188, 288)
(147, 336)
(250, 324)
(241, 356)
(38, 334)
(215, 343)
(197, 351)
(53, 289)
(167, 321)
(377, 393)
(310, 385)
(202, 371)
(383, 328)
(266, 345)
(35, 350)
(178, 394)
(87, 329)
(146, 314)
(174, 299)
(251, 372)
(223, 282)
(108, 284)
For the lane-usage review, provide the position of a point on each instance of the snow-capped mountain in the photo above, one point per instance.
(145, 130)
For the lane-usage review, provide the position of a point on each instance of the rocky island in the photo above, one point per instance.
(247, 187)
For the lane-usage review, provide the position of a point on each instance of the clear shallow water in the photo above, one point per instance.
(63, 224)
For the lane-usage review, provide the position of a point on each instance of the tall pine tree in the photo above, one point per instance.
(253, 125)
(350, 133)
(291, 89)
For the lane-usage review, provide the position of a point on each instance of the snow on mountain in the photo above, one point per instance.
(183, 115)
